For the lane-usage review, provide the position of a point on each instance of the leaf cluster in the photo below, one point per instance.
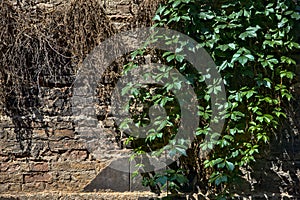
(252, 44)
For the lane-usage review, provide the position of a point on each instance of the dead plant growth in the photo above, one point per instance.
(42, 44)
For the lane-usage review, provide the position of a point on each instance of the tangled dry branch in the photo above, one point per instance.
(42, 43)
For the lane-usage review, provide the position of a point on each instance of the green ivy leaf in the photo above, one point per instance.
(250, 32)
(170, 58)
(229, 166)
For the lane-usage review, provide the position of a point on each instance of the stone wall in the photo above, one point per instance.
(43, 151)
(46, 154)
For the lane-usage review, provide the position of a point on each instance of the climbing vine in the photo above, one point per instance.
(252, 43)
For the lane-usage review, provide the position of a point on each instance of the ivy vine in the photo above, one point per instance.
(252, 43)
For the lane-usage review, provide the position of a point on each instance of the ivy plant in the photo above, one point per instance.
(252, 43)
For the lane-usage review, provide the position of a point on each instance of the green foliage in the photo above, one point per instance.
(252, 43)
(173, 179)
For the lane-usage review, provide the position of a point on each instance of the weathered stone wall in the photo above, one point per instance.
(80, 196)
(50, 156)
(43, 152)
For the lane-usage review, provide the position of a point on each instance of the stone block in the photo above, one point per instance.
(64, 145)
(37, 177)
(61, 166)
(10, 147)
(36, 187)
(123, 8)
(53, 187)
(73, 166)
(13, 167)
(75, 155)
(39, 148)
(63, 187)
(64, 133)
(60, 123)
(10, 178)
(39, 167)
(82, 177)
(13, 187)
(39, 134)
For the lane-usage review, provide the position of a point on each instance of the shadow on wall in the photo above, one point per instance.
(22, 107)
(278, 170)
(112, 179)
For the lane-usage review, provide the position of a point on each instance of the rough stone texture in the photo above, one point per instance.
(52, 157)
(80, 196)
(44, 151)
(121, 11)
